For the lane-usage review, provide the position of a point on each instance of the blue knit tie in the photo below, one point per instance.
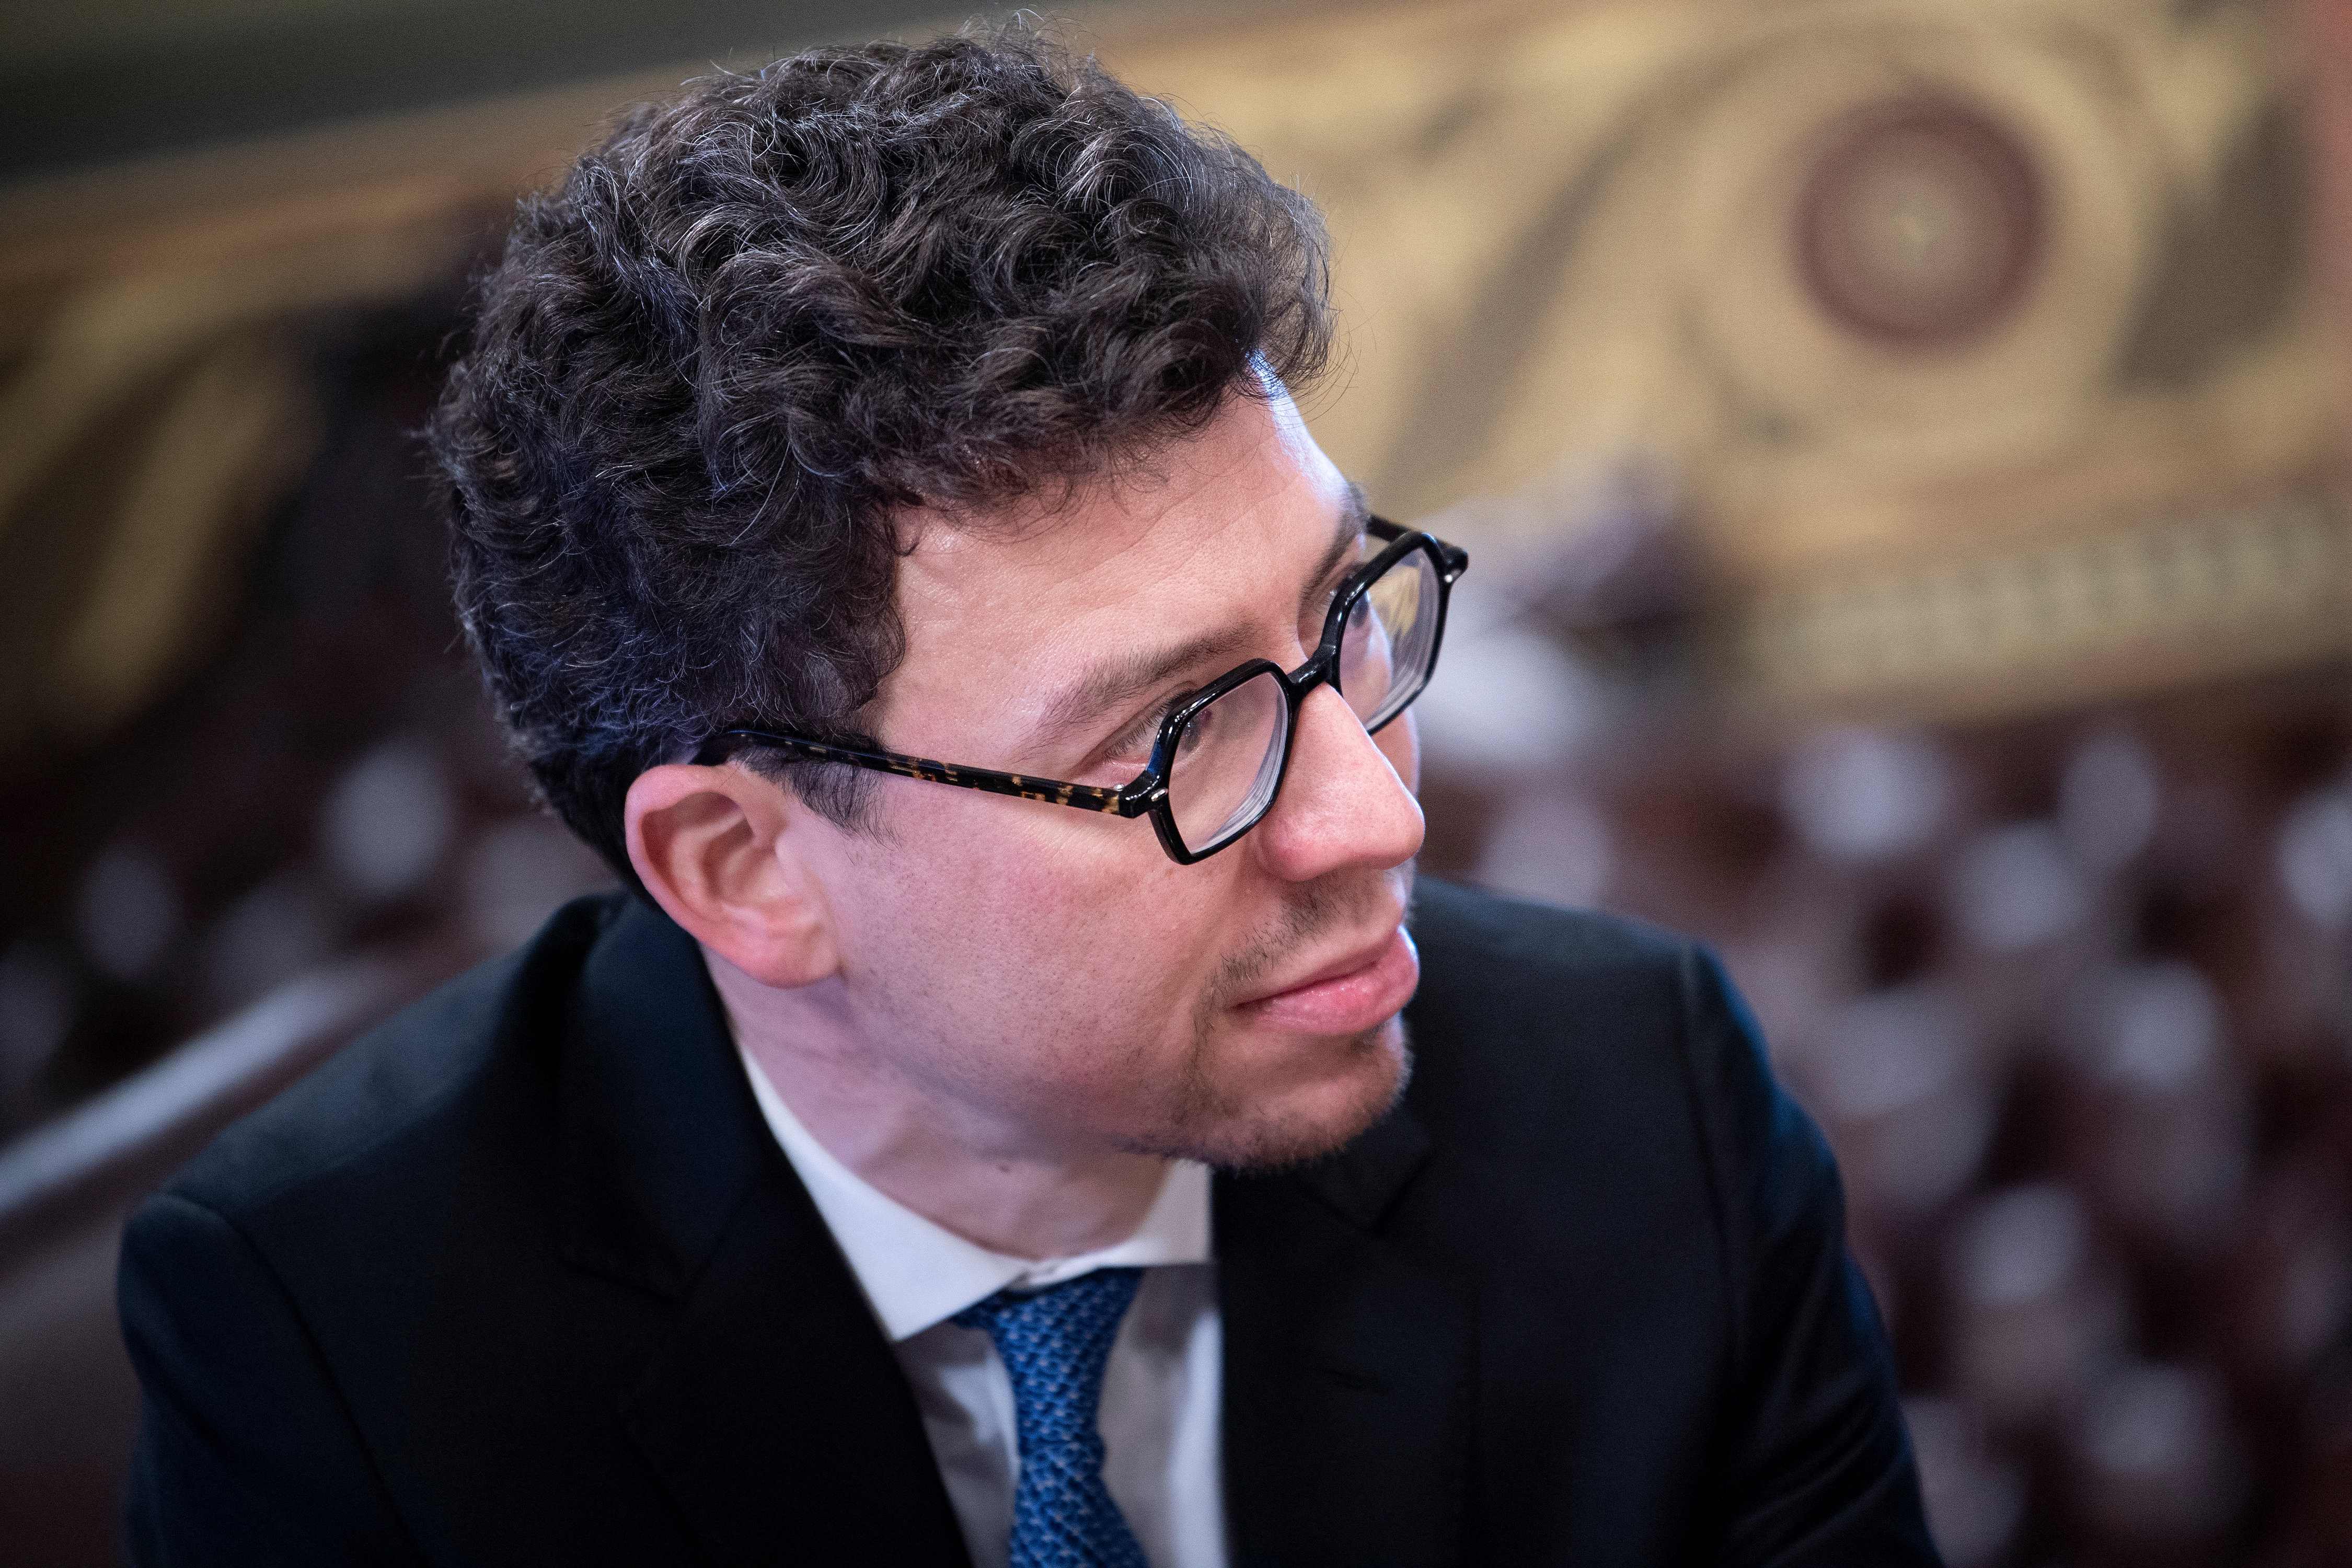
(1056, 1343)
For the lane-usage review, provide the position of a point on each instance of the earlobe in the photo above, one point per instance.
(715, 848)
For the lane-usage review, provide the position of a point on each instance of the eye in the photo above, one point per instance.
(1134, 742)
(1203, 728)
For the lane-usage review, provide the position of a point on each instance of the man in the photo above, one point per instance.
(1017, 1114)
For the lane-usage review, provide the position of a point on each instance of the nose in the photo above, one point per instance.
(1342, 803)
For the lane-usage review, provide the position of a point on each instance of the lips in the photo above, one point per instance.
(1348, 996)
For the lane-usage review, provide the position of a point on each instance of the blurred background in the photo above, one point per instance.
(1901, 442)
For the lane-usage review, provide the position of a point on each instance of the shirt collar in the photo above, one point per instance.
(916, 1272)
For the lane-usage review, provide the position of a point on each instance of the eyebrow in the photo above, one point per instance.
(1116, 679)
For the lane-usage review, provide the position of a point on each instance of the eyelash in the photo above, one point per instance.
(1145, 730)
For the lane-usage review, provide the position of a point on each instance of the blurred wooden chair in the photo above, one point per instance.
(68, 1402)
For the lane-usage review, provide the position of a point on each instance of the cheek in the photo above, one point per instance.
(1019, 918)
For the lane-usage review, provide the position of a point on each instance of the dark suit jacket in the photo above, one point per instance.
(522, 1278)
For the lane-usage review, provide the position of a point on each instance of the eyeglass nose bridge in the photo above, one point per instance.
(1322, 667)
(1296, 687)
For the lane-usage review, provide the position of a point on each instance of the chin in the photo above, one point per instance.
(1304, 1123)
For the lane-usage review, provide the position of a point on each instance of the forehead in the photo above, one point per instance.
(1222, 525)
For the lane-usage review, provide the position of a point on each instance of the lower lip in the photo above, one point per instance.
(1347, 1004)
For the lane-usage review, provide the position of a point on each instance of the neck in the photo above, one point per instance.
(960, 1164)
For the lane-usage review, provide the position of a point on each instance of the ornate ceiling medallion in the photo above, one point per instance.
(1920, 223)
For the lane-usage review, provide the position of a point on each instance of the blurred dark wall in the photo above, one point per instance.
(88, 85)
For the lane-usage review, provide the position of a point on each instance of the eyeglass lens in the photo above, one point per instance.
(1390, 640)
(1227, 763)
(1229, 757)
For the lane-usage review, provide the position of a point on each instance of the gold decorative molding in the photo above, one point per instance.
(1901, 293)
(2104, 609)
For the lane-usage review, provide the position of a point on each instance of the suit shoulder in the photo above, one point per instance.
(1554, 1016)
(426, 1065)
(1593, 1017)
(1493, 941)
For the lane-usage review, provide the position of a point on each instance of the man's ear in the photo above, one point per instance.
(711, 846)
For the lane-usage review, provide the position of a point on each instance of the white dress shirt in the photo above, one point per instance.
(1161, 1389)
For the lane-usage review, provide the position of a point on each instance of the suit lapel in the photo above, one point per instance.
(1347, 1368)
(777, 1414)
(771, 1404)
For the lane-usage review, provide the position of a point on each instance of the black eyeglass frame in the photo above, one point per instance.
(1147, 793)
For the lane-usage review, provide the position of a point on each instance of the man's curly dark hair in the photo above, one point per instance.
(756, 326)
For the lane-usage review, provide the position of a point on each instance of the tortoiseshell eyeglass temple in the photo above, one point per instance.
(1086, 798)
(1203, 795)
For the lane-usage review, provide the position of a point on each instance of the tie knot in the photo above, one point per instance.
(1054, 1343)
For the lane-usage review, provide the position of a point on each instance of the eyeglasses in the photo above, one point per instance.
(1222, 749)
